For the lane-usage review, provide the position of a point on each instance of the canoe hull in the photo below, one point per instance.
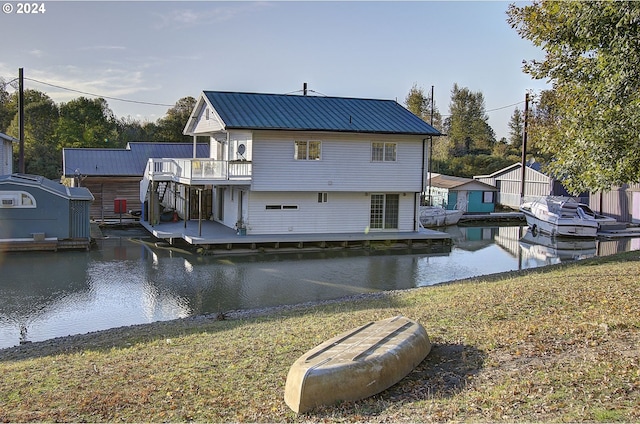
(356, 364)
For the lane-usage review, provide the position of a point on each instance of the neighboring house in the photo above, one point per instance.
(34, 207)
(116, 173)
(6, 154)
(460, 193)
(621, 203)
(290, 164)
(508, 182)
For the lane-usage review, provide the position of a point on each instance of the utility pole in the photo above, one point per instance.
(21, 119)
(524, 146)
(430, 203)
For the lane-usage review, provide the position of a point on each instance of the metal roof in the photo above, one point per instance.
(452, 182)
(8, 138)
(73, 193)
(313, 113)
(125, 162)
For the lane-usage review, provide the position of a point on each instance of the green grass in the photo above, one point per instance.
(555, 344)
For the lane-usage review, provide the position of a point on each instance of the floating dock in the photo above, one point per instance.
(212, 235)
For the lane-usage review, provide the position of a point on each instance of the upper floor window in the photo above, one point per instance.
(307, 150)
(383, 152)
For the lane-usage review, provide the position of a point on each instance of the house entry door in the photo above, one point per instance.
(384, 211)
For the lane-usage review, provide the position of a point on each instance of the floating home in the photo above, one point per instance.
(292, 168)
(39, 214)
(113, 175)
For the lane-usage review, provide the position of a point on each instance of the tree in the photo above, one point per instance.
(86, 123)
(170, 127)
(6, 112)
(420, 104)
(467, 126)
(516, 129)
(41, 155)
(592, 53)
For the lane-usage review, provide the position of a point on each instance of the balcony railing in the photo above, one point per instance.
(200, 170)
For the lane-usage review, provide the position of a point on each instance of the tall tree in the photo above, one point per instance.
(468, 126)
(6, 111)
(516, 129)
(592, 52)
(41, 155)
(86, 123)
(169, 128)
(420, 104)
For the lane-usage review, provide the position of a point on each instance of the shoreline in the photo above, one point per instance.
(72, 342)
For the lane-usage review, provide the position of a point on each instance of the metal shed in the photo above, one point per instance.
(34, 207)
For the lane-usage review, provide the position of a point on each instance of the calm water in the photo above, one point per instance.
(127, 280)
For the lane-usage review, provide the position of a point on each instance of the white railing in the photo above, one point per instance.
(198, 169)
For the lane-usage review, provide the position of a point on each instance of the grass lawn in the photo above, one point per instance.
(549, 344)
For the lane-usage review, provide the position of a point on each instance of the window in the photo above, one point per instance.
(487, 197)
(384, 211)
(281, 207)
(323, 197)
(17, 199)
(383, 152)
(307, 150)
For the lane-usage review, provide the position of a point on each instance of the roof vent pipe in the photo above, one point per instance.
(304, 89)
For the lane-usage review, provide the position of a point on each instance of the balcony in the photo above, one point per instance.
(197, 171)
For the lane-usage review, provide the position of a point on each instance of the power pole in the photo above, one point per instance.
(524, 146)
(21, 119)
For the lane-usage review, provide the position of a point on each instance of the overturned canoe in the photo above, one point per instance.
(356, 364)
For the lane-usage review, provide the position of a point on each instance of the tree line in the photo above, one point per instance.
(81, 122)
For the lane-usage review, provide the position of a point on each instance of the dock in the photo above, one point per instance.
(501, 217)
(42, 244)
(211, 235)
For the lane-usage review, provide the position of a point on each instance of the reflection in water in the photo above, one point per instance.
(124, 282)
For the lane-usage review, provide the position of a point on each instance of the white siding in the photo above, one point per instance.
(345, 164)
(204, 125)
(344, 212)
(6, 158)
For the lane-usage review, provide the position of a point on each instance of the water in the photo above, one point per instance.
(127, 280)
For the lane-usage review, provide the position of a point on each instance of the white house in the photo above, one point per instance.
(6, 154)
(291, 164)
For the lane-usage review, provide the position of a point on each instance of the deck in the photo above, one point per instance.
(213, 235)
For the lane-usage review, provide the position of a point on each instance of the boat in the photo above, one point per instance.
(559, 216)
(437, 216)
(356, 364)
(550, 250)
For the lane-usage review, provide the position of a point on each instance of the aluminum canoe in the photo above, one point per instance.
(356, 364)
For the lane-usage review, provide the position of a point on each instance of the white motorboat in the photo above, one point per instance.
(559, 216)
(437, 216)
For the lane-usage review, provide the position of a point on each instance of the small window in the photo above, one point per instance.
(206, 114)
(17, 199)
(273, 207)
(323, 197)
(307, 150)
(487, 197)
(290, 207)
(383, 152)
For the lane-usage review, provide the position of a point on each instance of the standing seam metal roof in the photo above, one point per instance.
(313, 113)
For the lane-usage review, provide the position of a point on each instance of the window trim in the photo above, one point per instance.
(308, 144)
(383, 152)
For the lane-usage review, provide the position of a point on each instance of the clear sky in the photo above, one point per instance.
(160, 51)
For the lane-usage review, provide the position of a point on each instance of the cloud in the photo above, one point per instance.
(103, 47)
(184, 18)
(36, 53)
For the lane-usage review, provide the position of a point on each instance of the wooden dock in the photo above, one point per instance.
(44, 244)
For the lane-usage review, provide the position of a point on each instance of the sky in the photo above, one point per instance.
(143, 56)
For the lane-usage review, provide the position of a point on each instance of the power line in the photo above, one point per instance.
(98, 95)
